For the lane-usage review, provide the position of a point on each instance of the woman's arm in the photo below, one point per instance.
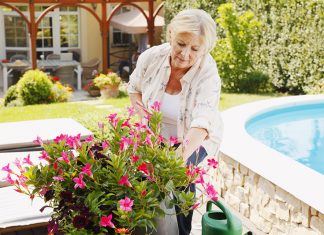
(136, 99)
(192, 141)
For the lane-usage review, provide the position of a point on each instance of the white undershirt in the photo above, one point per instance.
(170, 106)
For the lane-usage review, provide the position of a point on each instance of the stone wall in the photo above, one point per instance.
(270, 208)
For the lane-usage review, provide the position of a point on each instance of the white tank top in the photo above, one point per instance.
(170, 106)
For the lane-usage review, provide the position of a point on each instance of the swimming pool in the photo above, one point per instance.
(267, 157)
(296, 131)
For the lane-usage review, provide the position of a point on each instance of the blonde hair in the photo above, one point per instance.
(194, 21)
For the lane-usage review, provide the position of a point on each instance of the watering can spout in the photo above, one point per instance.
(220, 222)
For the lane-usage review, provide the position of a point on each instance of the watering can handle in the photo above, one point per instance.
(227, 213)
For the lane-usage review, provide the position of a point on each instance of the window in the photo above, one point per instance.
(58, 31)
(69, 31)
(15, 31)
(45, 33)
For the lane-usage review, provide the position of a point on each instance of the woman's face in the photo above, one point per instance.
(186, 49)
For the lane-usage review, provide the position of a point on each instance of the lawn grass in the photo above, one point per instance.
(89, 115)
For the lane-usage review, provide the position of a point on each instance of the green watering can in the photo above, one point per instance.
(220, 222)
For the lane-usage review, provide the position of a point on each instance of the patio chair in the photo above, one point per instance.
(66, 74)
(89, 69)
(53, 57)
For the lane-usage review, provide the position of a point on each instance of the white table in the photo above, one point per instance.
(54, 64)
(14, 135)
(7, 68)
(17, 210)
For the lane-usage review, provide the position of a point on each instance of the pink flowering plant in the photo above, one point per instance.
(113, 183)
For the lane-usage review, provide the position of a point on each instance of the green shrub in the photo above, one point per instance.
(290, 48)
(256, 82)
(232, 52)
(35, 87)
(11, 94)
(16, 103)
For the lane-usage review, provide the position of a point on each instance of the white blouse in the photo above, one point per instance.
(199, 97)
(170, 106)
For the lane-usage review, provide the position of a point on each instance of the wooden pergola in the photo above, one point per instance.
(103, 19)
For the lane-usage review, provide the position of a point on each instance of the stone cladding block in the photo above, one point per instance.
(233, 201)
(266, 213)
(267, 187)
(283, 211)
(305, 214)
(242, 194)
(259, 222)
(317, 224)
(313, 211)
(301, 230)
(296, 217)
(238, 179)
(245, 209)
(243, 170)
(284, 226)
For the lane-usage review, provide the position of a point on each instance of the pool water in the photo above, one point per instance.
(296, 131)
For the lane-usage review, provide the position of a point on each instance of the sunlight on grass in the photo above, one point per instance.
(89, 114)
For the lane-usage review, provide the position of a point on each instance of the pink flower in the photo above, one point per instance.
(211, 192)
(89, 139)
(72, 141)
(213, 163)
(79, 183)
(113, 119)
(173, 140)
(105, 144)
(124, 143)
(7, 168)
(27, 160)
(126, 204)
(60, 138)
(148, 141)
(105, 221)
(58, 178)
(9, 179)
(126, 123)
(134, 158)
(156, 106)
(159, 140)
(143, 168)
(18, 164)
(38, 141)
(131, 111)
(124, 181)
(65, 157)
(44, 156)
(200, 180)
(86, 170)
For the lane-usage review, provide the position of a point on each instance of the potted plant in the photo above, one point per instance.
(92, 89)
(111, 183)
(108, 84)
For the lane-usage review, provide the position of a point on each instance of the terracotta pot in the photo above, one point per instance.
(94, 93)
(108, 92)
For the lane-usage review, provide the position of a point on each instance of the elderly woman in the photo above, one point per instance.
(182, 75)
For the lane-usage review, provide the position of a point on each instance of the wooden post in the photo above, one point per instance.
(33, 34)
(104, 36)
(150, 26)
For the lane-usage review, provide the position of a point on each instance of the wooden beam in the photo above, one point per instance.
(33, 34)
(150, 26)
(104, 36)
